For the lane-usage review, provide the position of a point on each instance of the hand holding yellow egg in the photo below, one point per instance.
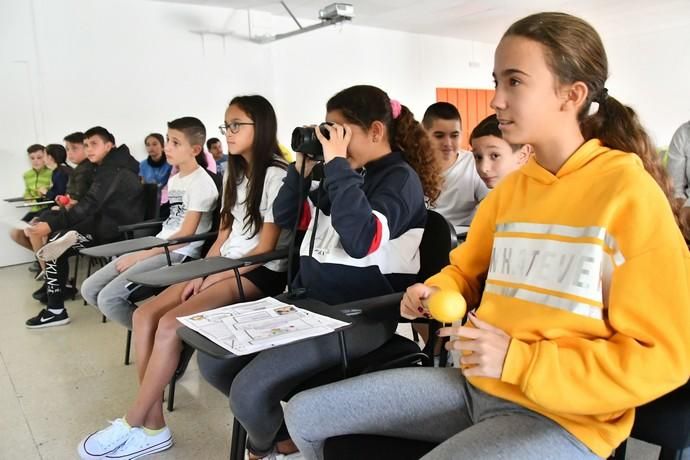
(447, 306)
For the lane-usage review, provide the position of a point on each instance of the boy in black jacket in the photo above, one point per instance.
(114, 198)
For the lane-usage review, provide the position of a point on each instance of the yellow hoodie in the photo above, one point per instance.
(588, 273)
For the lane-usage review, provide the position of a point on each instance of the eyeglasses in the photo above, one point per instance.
(233, 127)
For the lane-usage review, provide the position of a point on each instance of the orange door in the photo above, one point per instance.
(473, 105)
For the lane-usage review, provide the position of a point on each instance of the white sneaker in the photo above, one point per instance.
(140, 444)
(57, 247)
(99, 444)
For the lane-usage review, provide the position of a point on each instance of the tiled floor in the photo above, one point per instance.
(59, 384)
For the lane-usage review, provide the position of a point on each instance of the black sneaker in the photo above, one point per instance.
(47, 319)
(35, 267)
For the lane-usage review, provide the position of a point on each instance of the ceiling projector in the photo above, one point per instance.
(337, 11)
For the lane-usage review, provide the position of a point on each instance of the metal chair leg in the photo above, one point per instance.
(76, 270)
(171, 393)
(185, 357)
(128, 346)
(238, 444)
(88, 273)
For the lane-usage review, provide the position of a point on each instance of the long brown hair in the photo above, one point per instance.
(265, 153)
(364, 104)
(574, 52)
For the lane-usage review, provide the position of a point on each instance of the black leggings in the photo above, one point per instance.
(57, 270)
(256, 384)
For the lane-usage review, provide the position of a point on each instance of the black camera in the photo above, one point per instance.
(304, 140)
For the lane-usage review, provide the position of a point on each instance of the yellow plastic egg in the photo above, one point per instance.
(447, 306)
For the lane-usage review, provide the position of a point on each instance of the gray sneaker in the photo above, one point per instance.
(58, 246)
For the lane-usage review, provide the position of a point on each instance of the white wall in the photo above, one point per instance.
(651, 73)
(132, 65)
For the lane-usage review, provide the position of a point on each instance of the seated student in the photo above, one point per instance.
(77, 185)
(371, 219)
(462, 188)
(578, 268)
(494, 156)
(679, 170)
(679, 162)
(155, 169)
(192, 194)
(55, 158)
(36, 179)
(114, 198)
(82, 174)
(255, 174)
(215, 148)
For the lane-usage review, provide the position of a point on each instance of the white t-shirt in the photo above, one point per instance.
(194, 192)
(239, 243)
(462, 191)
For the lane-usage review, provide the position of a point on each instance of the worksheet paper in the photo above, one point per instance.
(248, 327)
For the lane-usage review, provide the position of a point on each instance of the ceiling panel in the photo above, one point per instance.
(483, 20)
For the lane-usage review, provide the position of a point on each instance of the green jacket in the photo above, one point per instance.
(34, 180)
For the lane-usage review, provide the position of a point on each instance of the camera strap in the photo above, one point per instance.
(316, 220)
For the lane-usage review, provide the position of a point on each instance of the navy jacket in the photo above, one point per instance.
(369, 228)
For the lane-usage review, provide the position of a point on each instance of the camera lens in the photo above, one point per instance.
(304, 140)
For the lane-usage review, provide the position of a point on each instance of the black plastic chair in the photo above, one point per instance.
(664, 422)
(438, 240)
(371, 447)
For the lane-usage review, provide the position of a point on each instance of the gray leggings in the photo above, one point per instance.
(107, 288)
(427, 404)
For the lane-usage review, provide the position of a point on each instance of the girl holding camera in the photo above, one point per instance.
(364, 222)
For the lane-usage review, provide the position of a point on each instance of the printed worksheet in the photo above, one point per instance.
(249, 327)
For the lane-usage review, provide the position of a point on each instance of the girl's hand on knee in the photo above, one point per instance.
(212, 279)
(192, 288)
(483, 347)
(413, 303)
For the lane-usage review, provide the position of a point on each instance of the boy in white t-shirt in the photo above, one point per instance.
(192, 194)
(463, 189)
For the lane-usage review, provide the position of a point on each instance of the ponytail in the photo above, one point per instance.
(410, 137)
(618, 127)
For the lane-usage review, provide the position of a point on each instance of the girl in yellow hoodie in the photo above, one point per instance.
(578, 269)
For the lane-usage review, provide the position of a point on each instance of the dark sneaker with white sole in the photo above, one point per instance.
(47, 319)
